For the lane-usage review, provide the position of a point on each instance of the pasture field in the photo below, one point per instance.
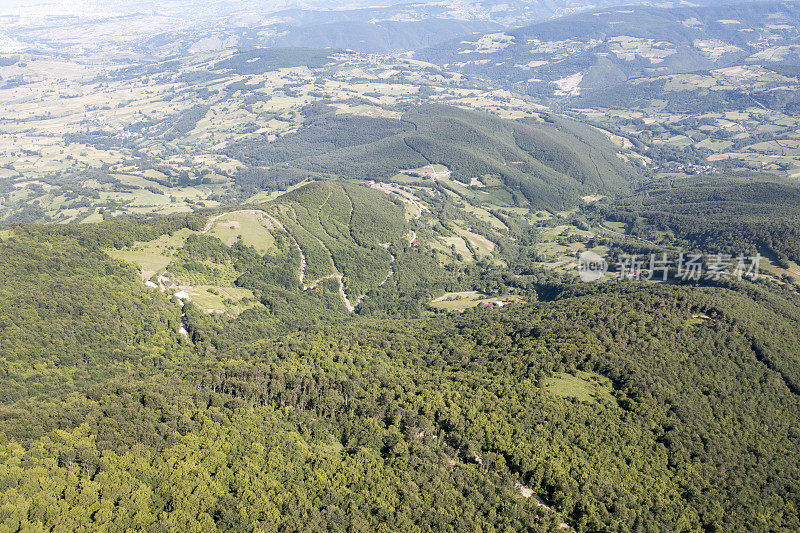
(757, 132)
(154, 256)
(228, 300)
(459, 246)
(618, 227)
(127, 137)
(479, 243)
(559, 245)
(251, 229)
(484, 215)
(157, 256)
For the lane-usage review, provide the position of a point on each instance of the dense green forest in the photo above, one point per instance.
(340, 228)
(721, 215)
(623, 406)
(71, 317)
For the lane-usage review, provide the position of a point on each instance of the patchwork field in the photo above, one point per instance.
(141, 140)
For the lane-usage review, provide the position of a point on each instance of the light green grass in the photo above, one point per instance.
(480, 243)
(619, 227)
(460, 301)
(486, 216)
(152, 257)
(457, 245)
(583, 386)
(405, 179)
(226, 300)
(248, 227)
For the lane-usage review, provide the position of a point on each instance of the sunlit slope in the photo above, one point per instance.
(323, 243)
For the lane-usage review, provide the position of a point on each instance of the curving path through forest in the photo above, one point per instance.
(302, 270)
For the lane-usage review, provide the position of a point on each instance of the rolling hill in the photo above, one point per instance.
(146, 29)
(551, 161)
(339, 286)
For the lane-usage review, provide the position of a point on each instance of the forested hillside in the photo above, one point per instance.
(551, 161)
(725, 215)
(268, 267)
(616, 405)
(620, 406)
(71, 317)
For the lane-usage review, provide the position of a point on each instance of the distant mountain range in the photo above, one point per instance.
(598, 49)
(157, 29)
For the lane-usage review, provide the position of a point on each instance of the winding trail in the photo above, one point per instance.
(391, 270)
(436, 175)
(392, 189)
(273, 221)
(302, 270)
(338, 277)
(182, 330)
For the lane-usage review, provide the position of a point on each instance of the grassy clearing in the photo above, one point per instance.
(583, 386)
(770, 267)
(268, 196)
(460, 301)
(406, 179)
(229, 300)
(619, 227)
(560, 245)
(247, 227)
(153, 256)
(484, 215)
(458, 246)
(481, 244)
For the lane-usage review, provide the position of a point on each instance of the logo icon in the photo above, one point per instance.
(591, 267)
